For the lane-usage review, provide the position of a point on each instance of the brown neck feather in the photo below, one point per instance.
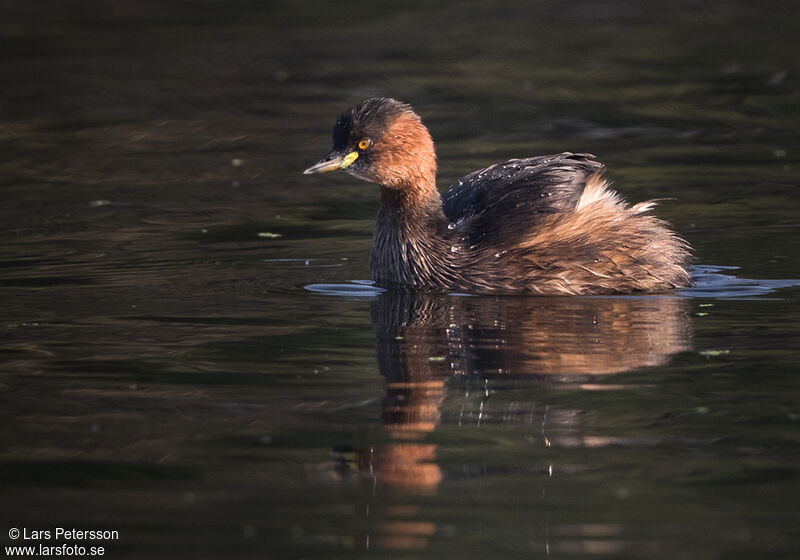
(412, 244)
(406, 166)
(412, 202)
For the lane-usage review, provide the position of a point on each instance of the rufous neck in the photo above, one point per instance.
(421, 198)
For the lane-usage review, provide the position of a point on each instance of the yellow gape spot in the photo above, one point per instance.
(348, 159)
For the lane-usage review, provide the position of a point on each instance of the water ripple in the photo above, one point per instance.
(358, 288)
(713, 281)
(710, 281)
(314, 263)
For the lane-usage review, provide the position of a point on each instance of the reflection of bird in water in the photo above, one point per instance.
(425, 339)
(547, 224)
(519, 336)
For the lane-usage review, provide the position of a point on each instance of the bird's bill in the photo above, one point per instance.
(332, 162)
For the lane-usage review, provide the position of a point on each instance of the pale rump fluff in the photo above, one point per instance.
(604, 246)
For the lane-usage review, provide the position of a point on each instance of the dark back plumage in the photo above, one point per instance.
(496, 200)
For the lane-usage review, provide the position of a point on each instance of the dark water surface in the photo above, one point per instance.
(188, 358)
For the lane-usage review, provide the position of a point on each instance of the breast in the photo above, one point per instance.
(411, 252)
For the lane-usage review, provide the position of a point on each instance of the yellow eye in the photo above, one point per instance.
(364, 144)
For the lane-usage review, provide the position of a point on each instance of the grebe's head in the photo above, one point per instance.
(383, 141)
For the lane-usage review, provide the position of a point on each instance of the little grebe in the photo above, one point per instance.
(546, 224)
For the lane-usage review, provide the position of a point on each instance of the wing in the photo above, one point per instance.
(497, 200)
